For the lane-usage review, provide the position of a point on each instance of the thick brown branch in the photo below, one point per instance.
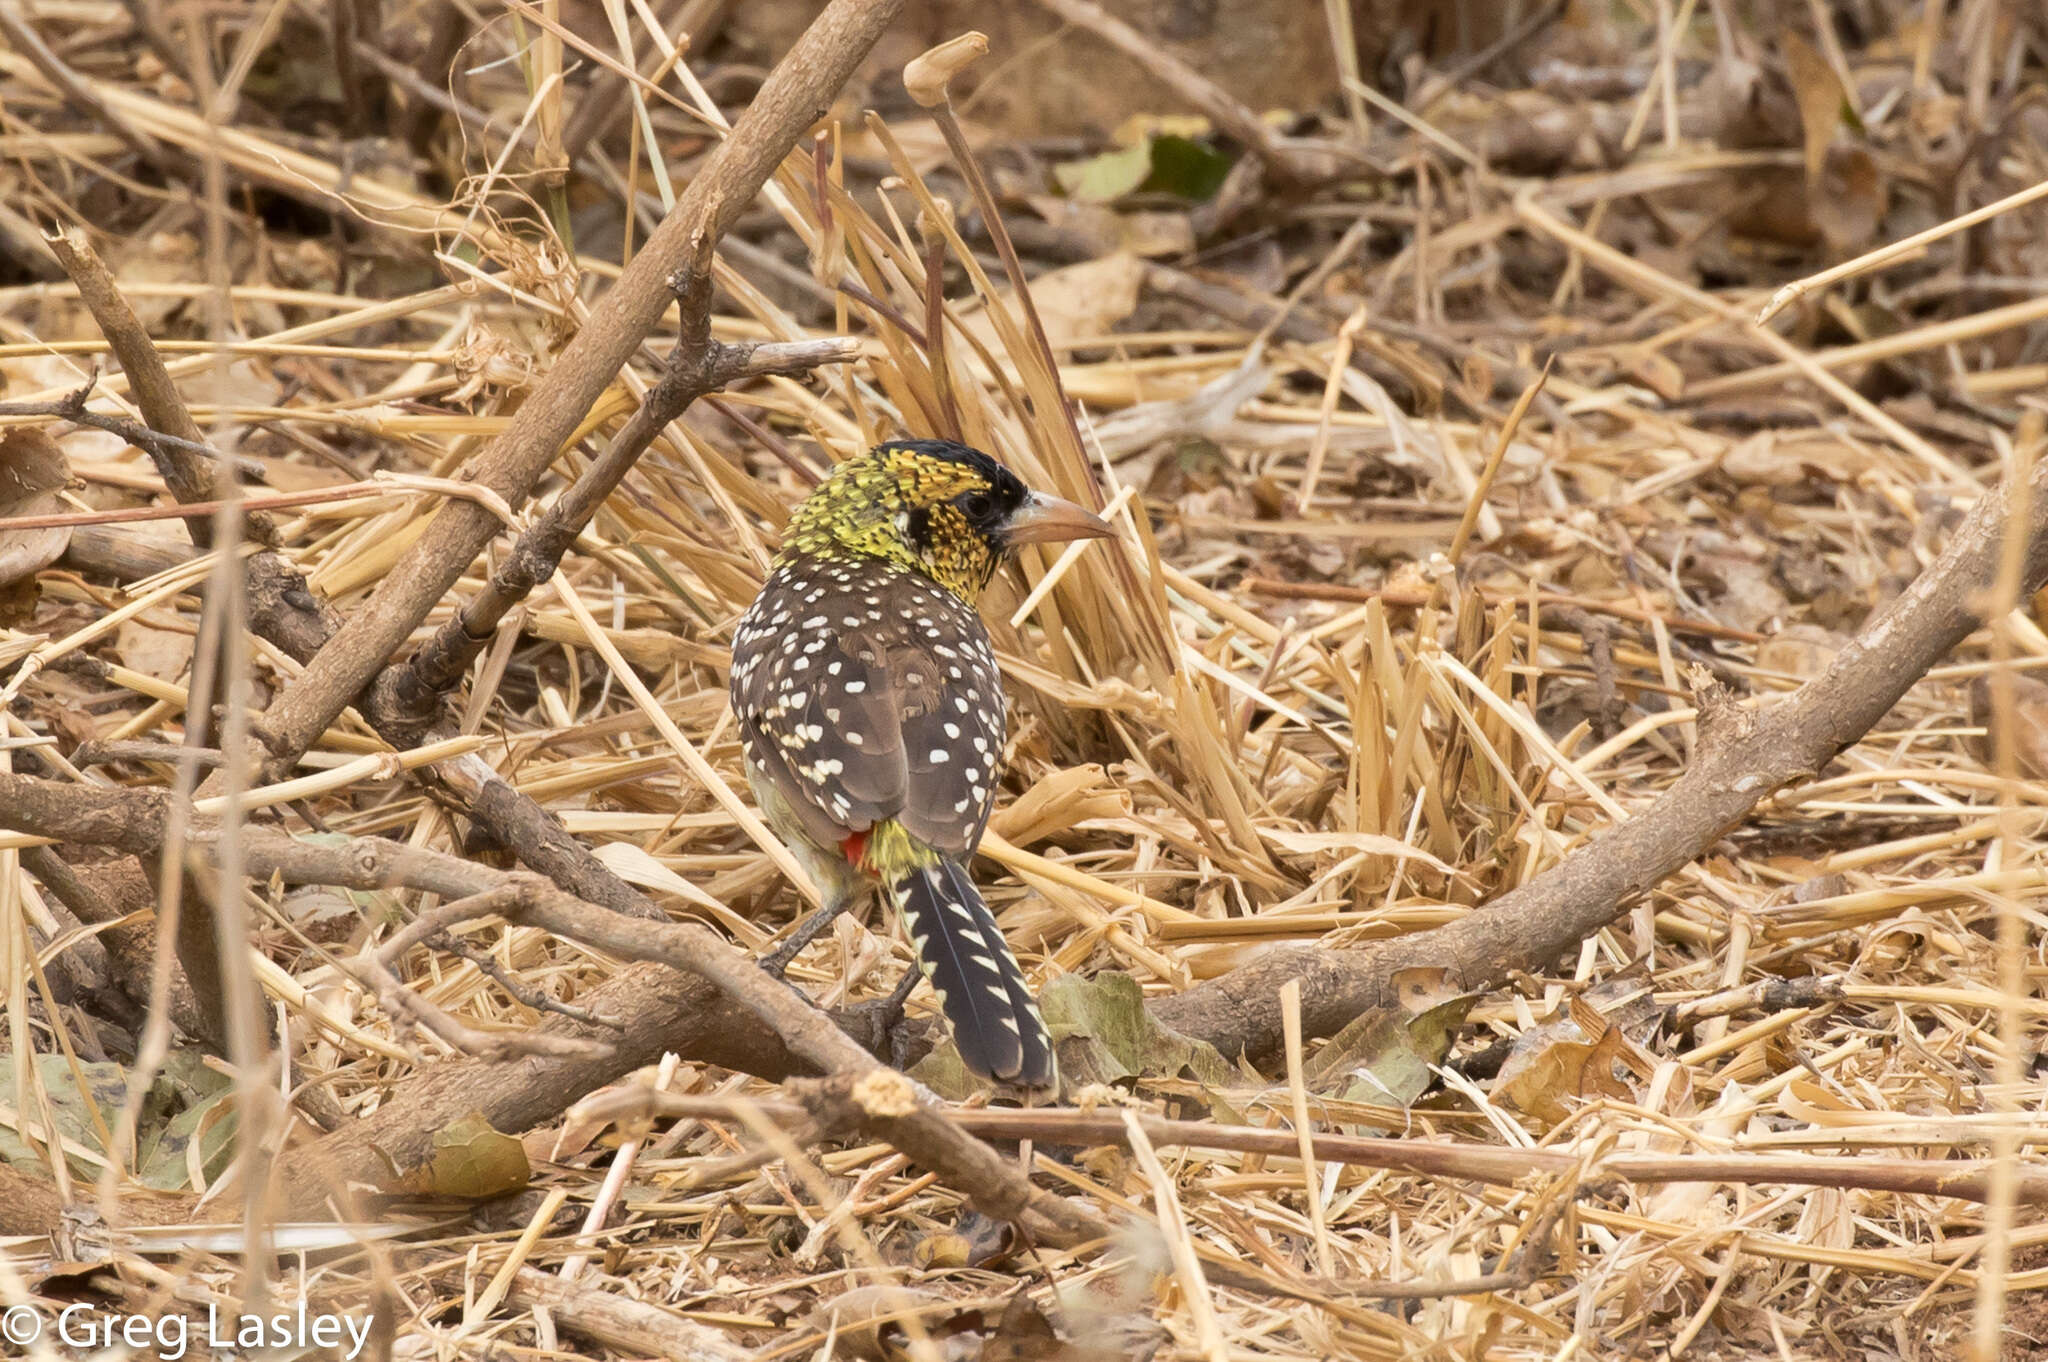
(405, 699)
(134, 821)
(1754, 753)
(796, 94)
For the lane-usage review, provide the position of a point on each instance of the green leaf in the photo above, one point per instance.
(472, 1161)
(188, 1101)
(1103, 1034)
(1187, 168)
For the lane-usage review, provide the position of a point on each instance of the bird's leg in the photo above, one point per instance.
(838, 899)
(892, 1015)
(892, 1006)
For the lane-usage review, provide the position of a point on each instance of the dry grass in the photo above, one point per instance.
(1273, 713)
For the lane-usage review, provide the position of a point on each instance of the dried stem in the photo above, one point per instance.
(795, 94)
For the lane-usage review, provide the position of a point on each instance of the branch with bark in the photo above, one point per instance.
(280, 607)
(405, 699)
(795, 95)
(891, 1108)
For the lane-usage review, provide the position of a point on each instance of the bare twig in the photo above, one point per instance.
(188, 474)
(790, 100)
(280, 607)
(158, 445)
(405, 698)
(1897, 250)
(409, 1008)
(517, 987)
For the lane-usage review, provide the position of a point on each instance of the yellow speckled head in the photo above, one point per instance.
(934, 506)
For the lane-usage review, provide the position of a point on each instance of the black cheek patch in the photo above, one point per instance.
(918, 527)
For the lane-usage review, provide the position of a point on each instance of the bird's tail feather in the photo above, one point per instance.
(980, 986)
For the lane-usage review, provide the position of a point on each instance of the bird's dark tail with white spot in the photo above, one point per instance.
(981, 988)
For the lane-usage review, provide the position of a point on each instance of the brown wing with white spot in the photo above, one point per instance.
(869, 692)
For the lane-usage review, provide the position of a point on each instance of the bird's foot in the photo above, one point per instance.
(879, 1024)
(807, 931)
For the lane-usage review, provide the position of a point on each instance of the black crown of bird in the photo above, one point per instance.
(871, 713)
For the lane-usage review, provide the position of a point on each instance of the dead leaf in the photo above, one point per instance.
(1108, 176)
(1747, 595)
(1059, 802)
(2029, 731)
(1103, 1035)
(1024, 1334)
(1078, 302)
(1818, 91)
(1422, 988)
(153, 651)
(1574, 1055)
(32, 471)
(867, 1321)
(1658, 372)
(1563, 1074)
(1848, 203)
(1798, 650)
(1388, 1058)
(471, 1161)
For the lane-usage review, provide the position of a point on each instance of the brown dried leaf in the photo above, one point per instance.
(1059, 802)
(1848, 203)
(471, 1161)
(2029, 731)
(1819, 93)
(32, 471)
(1080, 301)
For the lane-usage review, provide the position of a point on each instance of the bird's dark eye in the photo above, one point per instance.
(976, 505)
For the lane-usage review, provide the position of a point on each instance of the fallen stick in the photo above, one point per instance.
(1965, 1180)
(1745, 755)
(887, 1106)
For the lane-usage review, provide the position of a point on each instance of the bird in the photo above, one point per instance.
(871, 714)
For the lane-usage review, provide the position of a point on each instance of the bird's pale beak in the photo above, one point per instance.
(1049, 520)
